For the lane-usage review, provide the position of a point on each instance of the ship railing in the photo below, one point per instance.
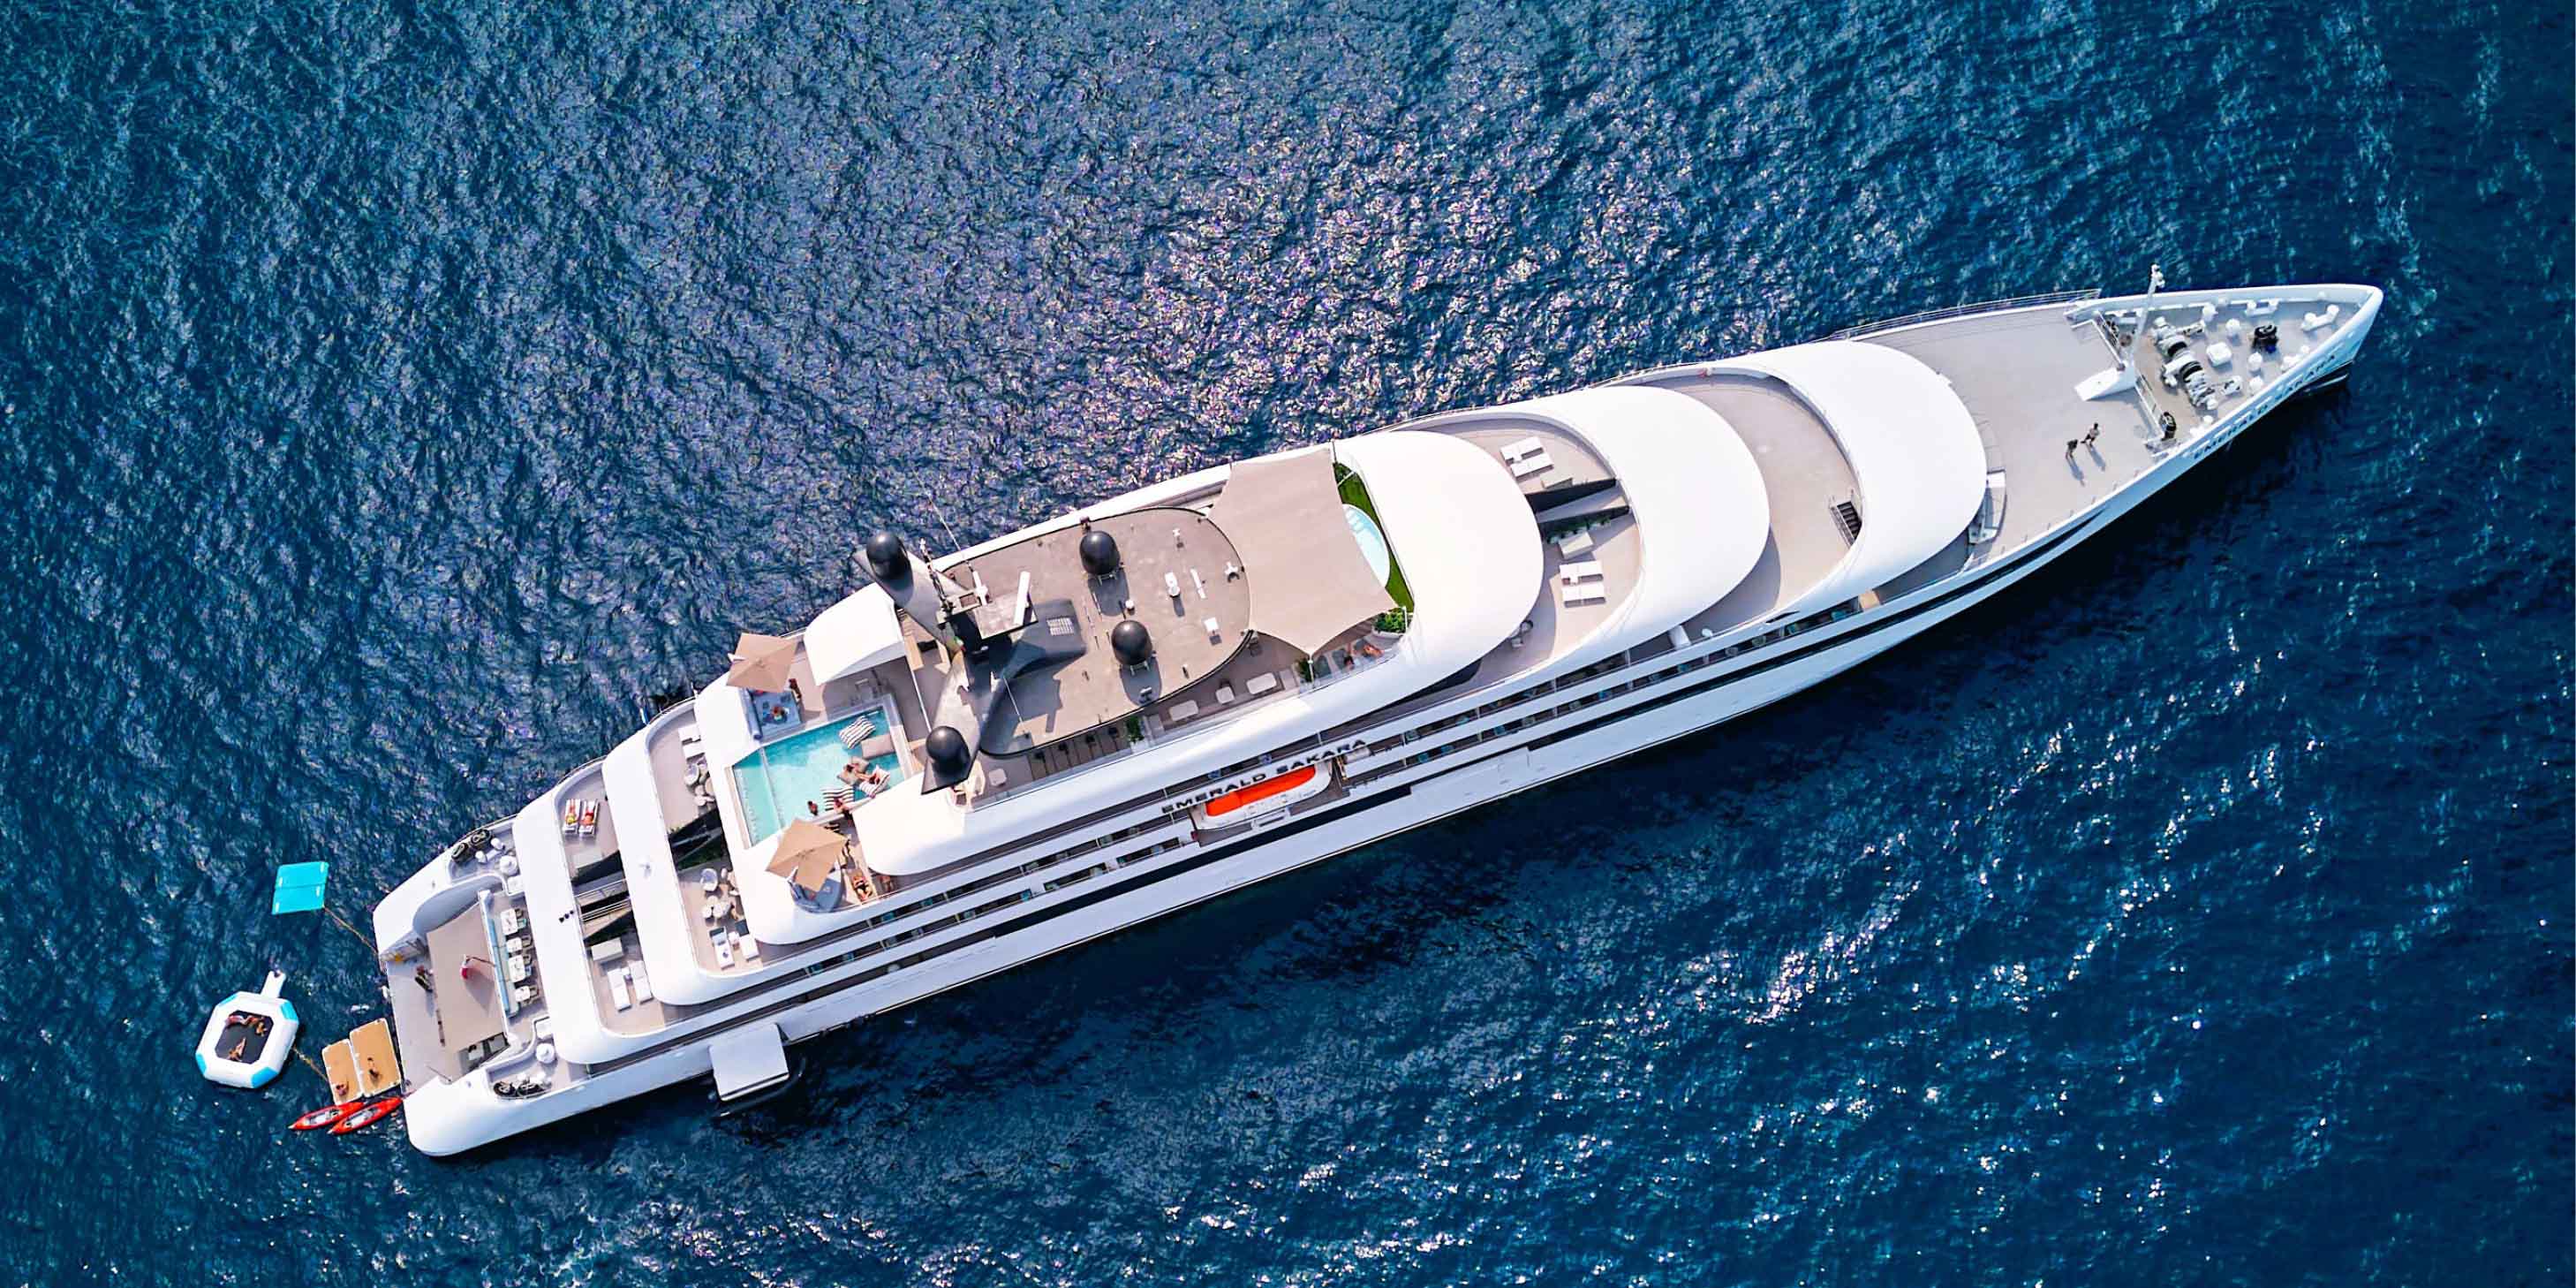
(1962, 310)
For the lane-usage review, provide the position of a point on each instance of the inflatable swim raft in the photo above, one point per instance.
(248, 1035)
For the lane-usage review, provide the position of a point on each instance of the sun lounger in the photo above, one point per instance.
(608, 950)
(1579, 570)
(643, 983)
(572, 817)
(1525, 447)
(750, 949)
(1588, 593)
(724, 953)
(1537, 464)
(590, 818)
(618, 992)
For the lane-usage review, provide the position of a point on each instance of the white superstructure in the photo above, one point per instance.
(975, 760)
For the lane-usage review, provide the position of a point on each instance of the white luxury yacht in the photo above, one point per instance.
(978, 759)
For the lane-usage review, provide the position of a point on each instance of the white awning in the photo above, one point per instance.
(748, 1059)
(1463, 535)
(1915, 455)
(1310, 580)
(859, 632)
(1702, 513)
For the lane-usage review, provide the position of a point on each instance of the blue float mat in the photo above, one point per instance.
(299, 888)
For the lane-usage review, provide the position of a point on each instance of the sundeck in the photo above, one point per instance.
(975, 759)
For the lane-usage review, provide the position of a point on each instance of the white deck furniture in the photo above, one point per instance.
(1260, 684)
(1525, 447)
(1590, 592)
(1528, 465)
(1577, 542)
(1580, 570)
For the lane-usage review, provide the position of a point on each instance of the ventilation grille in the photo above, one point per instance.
(1847, 518)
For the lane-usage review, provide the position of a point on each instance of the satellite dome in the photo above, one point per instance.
(947, 749)
(1131, 642)
(884, 552)
(1099, 553)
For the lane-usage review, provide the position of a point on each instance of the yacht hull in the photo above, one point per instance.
(1672, 702)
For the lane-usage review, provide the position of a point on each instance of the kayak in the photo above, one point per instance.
(326, 1115)
(366, 1116)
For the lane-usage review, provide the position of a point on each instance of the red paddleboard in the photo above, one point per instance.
(366, 1116)
(325, 1116)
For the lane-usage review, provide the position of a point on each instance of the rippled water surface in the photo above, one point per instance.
(395, 396)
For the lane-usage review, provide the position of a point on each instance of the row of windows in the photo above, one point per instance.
(1505, 702)
(1592, 698)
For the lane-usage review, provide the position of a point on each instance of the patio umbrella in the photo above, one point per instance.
(761, 661)
(807, 853)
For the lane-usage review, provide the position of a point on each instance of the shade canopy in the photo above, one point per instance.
(761, 662)
(1310, 580)
(463, 982)
(1917, 461)
(807, 854)
(857, 633)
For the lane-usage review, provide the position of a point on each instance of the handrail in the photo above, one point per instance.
(1957, 310)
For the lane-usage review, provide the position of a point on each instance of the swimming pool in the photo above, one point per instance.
(777, 780)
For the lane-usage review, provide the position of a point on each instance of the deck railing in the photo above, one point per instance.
(1958, 310)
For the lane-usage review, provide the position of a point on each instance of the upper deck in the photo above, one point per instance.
(1178, 575)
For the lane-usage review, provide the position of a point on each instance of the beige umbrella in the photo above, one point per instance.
(807, 854)
(761, 661)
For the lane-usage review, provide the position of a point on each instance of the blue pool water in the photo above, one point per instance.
(395, 397)
(779, 778)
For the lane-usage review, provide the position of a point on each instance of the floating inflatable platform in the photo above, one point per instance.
(248, 1036)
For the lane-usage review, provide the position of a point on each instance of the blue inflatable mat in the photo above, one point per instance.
(299, 888)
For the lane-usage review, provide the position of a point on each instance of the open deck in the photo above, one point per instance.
(1178, 574)
(2017, 373)
(1804, 475)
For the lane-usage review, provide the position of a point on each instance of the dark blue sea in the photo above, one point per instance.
(394, 397)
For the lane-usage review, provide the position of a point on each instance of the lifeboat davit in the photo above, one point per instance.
(1266, 796)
